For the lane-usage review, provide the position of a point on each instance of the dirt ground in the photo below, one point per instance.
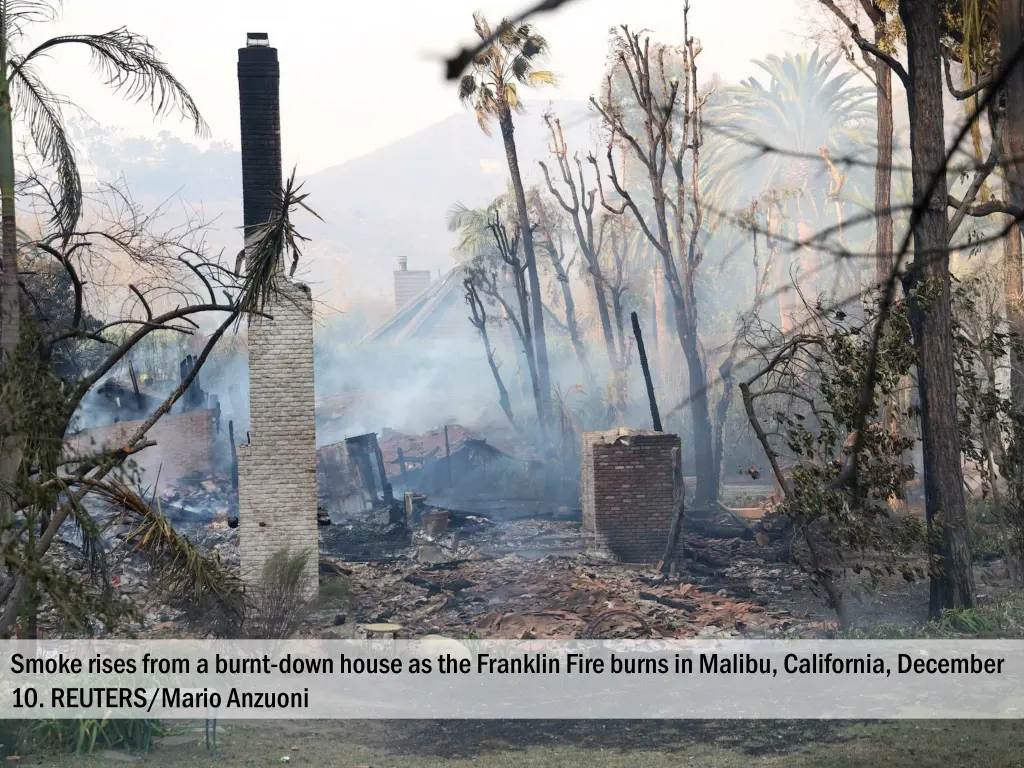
(581, 744)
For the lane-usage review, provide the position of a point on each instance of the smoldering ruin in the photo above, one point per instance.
(481, 459)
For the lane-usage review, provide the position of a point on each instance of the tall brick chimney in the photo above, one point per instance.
(259, 101)
(277, 494)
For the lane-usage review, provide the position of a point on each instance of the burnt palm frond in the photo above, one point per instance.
(213, 592)
(467, 87)
(41, 109)
(509, 58)
(15, 14)
(132, 67)
(88, 531)
(273, 241)
(457, 64)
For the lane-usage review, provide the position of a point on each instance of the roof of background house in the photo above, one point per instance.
(416, 319)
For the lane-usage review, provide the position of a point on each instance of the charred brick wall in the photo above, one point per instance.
(184, 444)
(628, 489)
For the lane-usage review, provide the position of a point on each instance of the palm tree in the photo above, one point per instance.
(130, 66)
(804, 109)
(126, 61)
(492, 89)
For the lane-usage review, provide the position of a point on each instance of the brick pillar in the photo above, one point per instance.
(628, 487)
(277, 493)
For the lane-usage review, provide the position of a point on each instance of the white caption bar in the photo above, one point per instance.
(403, 679)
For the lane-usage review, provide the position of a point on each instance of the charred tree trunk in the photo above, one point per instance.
(1011, 38)
(557, 257)
(540, 349)
(478, 318)
(1013, 278)
(601, 297)
(952, 579)
(659, 339)
(883, 207)
(572, 326)
(883, 165)
(722, 414)
(706, 493)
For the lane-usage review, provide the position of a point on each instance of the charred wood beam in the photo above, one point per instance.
(135, 385)
(679, 496)
(234, 457)
(638, 335)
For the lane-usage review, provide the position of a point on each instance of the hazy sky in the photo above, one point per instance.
(357, 75)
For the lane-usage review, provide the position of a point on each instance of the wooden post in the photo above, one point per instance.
(386, 488)
(234, 456)
(655, 416)
(135, 384)
(678, 497)
(447, 455)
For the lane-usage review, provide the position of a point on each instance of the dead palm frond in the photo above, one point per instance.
(183, 572)
(273, 240)
(127, 62)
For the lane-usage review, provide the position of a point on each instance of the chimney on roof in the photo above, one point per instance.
(409, 283)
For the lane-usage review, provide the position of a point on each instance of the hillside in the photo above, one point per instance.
(387, 203)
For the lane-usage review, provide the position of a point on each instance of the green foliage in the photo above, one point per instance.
(1003, 619)
(51, 295)
(987, 539)
(38, 414)
(991, 426)
(85, 736)
(806, 400)
(277, 605)
(804, 108)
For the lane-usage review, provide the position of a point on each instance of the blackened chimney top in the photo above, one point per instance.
(257, 39)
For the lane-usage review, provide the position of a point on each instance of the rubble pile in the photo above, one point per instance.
(512, 597)
(532, 579)
(428, 444)
(199, 497)
(478, 577)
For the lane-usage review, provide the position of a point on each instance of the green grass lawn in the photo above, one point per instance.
(583, 744)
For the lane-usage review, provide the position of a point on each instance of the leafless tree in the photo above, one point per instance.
(478, 319)
(181, 282)
(578, 200)
(551, 239)
(668, 148)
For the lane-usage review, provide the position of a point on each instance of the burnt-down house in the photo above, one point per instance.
(350, 476)
(116, 400)
(468, 473)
